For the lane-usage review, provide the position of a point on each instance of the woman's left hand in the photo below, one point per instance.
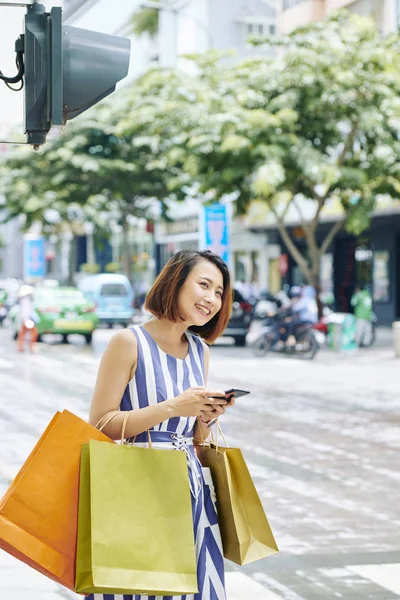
(217, 410)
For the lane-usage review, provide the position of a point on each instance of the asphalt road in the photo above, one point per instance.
(321, 439)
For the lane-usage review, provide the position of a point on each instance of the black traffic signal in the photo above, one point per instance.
(67, 70)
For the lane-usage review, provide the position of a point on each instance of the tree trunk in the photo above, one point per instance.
(127, 262)
(316, 277)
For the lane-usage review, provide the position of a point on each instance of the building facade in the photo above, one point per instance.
(295, 13)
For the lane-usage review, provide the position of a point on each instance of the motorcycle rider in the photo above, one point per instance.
(304, 312)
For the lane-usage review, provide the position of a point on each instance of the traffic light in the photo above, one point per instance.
(66, 70)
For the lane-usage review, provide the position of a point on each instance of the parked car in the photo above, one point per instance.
(239, 323)
(61, 310)
(112, 295)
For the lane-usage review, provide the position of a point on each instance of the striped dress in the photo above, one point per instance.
(158, 377)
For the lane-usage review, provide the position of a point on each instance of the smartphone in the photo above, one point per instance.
(236, 392)
(232, 392)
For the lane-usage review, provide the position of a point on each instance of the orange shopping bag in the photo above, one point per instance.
(39, 512)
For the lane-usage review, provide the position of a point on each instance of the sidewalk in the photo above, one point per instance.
(17, 581)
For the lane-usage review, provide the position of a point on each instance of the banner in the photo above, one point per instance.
(34, 258)
(215, 230)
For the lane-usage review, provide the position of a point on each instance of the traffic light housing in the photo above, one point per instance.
(67, 70)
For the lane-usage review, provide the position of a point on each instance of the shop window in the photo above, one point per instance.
(381, 278)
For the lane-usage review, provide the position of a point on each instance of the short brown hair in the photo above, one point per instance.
(162, 299)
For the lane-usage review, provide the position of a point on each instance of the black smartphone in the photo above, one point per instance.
(236, 392)
(232, 392)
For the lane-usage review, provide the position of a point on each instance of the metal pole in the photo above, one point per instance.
(19, 4)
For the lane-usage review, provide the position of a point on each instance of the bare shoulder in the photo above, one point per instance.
(124, 343)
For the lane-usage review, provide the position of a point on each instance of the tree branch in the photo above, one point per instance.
(349, 142)
(329, 238)
(296, 254)
(304, 222)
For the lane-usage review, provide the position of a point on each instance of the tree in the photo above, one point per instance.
(316, 128)
(145, 20)
(104, 168)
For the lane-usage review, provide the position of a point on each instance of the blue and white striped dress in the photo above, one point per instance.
(160, 376)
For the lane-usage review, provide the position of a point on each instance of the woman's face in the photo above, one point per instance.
(200, 297)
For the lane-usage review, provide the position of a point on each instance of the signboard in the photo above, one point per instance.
(34, 258)
(283, 264)
(215, 230)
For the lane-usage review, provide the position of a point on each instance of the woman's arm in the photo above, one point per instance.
(116, 369)
(201, 431)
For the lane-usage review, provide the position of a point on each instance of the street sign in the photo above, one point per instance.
(215, 230)
(34, 259)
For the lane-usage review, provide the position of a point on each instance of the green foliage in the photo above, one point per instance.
(93, 269)
(317, 126)
(113, 267)
(145, 20)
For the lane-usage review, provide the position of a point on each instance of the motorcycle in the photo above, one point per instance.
(308, 339)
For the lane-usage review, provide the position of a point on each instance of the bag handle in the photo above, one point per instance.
(214, 441)
(110, 417)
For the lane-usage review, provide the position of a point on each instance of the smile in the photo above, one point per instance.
(205, 311)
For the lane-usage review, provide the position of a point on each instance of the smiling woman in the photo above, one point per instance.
(159, 369)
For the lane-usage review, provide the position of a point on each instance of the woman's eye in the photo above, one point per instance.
(204, 283)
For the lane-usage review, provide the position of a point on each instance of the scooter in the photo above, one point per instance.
(305, 346)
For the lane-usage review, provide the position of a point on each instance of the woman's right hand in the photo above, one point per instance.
(193, 401)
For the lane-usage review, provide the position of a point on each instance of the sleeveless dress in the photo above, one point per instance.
(160, 376)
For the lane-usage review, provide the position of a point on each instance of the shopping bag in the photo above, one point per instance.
(38, 514)
(135, 524)
(245, 531)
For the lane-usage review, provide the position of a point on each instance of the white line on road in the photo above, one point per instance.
(387, 576)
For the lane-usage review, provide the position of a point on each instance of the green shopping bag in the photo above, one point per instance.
(135, 525)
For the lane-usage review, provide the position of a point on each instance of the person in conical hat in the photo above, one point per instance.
(27, 318)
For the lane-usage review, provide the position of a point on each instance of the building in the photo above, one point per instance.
(250, 253)
(295, 13)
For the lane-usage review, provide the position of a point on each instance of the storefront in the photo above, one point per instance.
(249, 252)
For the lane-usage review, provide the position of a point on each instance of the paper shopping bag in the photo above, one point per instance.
(38, 514)
(135, 525)
(245, 531)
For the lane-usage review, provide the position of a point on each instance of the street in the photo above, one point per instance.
(321, 439)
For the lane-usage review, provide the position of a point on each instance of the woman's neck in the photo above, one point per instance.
(167, 331)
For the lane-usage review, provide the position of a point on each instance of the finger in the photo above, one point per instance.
(215, 401)
(215, 394)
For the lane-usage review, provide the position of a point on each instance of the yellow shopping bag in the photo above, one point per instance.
(135, 525)
(245, 531)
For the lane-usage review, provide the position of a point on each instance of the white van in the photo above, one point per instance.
(113, 296)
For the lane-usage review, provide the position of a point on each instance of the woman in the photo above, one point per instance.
(159, 370)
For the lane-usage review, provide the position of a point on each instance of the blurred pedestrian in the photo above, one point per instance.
(361, 301)
(27, 318)
(158, 372)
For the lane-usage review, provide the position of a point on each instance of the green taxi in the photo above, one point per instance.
(61, 310)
